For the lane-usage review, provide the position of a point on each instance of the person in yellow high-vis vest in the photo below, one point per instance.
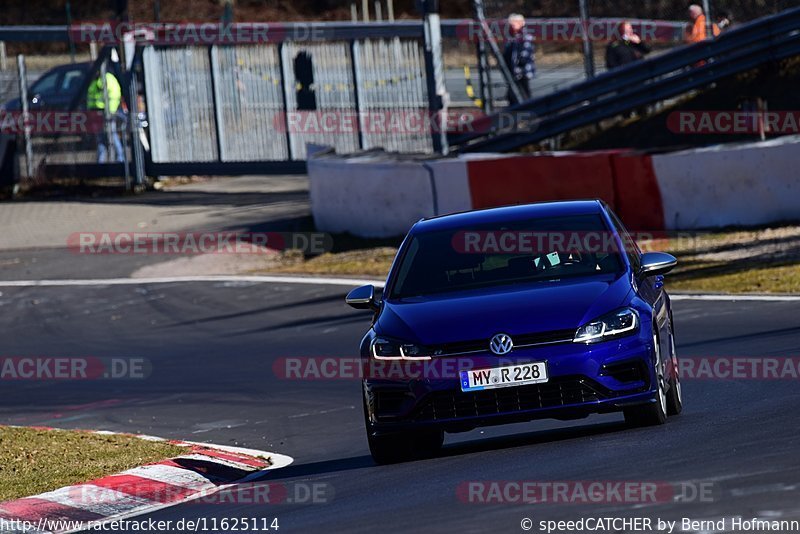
(96, 102)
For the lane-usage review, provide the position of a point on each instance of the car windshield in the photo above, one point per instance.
(538, 250)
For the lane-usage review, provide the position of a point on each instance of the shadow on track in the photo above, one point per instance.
(527, 439)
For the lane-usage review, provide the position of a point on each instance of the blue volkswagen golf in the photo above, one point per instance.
(513, 314)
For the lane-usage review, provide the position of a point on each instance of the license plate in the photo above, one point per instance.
(502, 377)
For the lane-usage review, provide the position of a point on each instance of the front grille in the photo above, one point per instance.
(457, 404)
(520, 341)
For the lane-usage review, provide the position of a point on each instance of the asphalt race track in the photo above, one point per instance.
(211, 347)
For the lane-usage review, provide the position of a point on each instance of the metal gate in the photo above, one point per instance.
(180, 104)
(267, 102)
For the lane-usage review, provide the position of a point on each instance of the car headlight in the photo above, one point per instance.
(616, 324)
(389, 349)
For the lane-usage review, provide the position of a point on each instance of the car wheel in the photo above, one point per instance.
(675, 393)
(402, 446)
(654, 413)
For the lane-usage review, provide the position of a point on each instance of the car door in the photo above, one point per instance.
(68, 87)
(56, 89)
(43, 90)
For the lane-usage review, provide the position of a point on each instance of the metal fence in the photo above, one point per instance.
(180, 104)
(391, 86)
(267, 102)
(249, 95)
(319, 83)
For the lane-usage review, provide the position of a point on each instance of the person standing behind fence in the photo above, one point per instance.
(625, 48)
(519, 57)
(95, 101)
(696, 29)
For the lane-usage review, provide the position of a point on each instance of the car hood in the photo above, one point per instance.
(514, 310)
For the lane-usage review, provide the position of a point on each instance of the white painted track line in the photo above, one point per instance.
(320, 280)
(354, 282)
(737, 298)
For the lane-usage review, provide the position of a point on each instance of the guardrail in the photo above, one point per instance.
(646, 82)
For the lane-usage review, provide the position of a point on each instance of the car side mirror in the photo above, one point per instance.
(656, 263)
(363, 298)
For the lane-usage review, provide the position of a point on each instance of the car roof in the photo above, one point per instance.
(85, 66)
(505, 214)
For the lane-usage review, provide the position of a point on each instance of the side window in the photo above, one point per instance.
(631, 248)
(72, 81)
(46, 85)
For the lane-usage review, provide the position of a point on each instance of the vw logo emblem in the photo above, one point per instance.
(501, 344)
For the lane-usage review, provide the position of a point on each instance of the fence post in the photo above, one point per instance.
(434, 70)
(285, 98)
(23, 95)
(68, 8)
(354, 66)
(709, 20)
(216, 101)
(588, 51)
(133, 120)
(3, 56)
(484, 69)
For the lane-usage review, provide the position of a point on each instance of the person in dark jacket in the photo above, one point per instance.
(626, 48)
(519, 57)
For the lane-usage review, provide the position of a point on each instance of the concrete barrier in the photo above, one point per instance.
(378, 195)
(369, 196)
(730, 185)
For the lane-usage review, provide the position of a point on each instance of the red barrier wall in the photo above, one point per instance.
(525, 179)
(638, 197)
(626, 181)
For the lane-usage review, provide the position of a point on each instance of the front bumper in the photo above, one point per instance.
(584, 379)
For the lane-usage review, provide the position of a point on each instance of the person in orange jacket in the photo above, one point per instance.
(696, 29)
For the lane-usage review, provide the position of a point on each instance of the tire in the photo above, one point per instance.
(402, 446)
(655, 413)
(675, 393)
